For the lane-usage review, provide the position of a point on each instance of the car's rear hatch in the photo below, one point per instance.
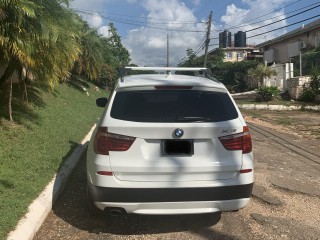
(176, 136)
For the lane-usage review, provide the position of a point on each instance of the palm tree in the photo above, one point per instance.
(90, 59)
(36, 36)
(260, 72)
(14, 38)
(57, 46)
(49, 41)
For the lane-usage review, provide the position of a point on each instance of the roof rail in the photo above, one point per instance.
(191, 69)
(197, 70)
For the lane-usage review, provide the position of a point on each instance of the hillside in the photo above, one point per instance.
(44, 133)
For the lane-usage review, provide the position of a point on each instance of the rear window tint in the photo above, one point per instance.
(173, 106)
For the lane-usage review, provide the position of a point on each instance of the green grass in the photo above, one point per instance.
(275, 101)
(284, 121)
(32, 149)
(252, 113)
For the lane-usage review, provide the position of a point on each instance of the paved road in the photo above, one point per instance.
(285, 203)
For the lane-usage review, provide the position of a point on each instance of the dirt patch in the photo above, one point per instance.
(302, 124)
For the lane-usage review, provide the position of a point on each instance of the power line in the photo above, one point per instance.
(200, 46)
(136, 17)
(246, 24)
(284, 26)
(140, 24)
(283, 19)
(265, 5)
(216, 12)
(250, 20)
(204, 6)
(198, 41)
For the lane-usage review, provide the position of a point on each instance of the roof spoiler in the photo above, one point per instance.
(198, 71)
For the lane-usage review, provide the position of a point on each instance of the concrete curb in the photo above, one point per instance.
(39, 209)
(244, 93)
(277, 107)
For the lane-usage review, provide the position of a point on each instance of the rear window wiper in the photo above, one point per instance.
(193, 119)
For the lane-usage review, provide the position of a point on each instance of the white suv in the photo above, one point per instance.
(169, 144)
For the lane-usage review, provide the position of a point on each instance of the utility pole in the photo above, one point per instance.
(167, 50)
(207, 40)
(300, 60)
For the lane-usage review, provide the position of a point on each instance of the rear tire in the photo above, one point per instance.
(92, 209)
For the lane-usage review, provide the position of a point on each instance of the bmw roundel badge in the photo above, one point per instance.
(178, 132)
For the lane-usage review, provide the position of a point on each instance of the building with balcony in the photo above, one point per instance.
(282, 48)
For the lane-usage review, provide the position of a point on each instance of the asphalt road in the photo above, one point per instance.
(285, 203)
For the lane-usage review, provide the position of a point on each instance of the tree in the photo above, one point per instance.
(33, 38)
(57, 45)
(15, 16)
(90, 59)
(310, 61)
(216, 59)
(260, 72)
(311, 92)
(115, 57)
(191, 60)
(119, 52)
(46, 41)
(14, 39)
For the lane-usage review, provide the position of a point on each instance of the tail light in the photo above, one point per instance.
(240, 141)
(105, 142)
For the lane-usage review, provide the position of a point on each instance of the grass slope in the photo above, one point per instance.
(32, 149)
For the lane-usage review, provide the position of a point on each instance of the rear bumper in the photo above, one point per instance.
(149, 195)
(166, 201)
(171, 208)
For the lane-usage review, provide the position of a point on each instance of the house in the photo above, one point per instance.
(237, 50)
(238, 54)
(289, 45)
(289, 48)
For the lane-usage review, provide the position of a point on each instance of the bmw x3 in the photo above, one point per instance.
(169, 144)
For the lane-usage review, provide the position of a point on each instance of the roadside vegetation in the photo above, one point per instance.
(33, 148)
(45, 41)
(311, 93)
(53, 66)
(245, 76)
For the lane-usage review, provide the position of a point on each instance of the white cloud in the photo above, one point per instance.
(239, 19)
(104, 31)
(88, 5)
(89, 11)
(196, 2)
(148, 45)
(94, 20)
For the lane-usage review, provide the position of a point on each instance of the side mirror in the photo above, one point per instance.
(101, 102)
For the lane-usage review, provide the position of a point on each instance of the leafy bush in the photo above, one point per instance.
(310, 93)
(266, 94)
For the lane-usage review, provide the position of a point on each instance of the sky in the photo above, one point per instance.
(145, 25)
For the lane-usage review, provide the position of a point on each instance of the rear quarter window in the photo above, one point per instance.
(172, 105)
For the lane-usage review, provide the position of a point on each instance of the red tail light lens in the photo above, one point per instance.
(105, 142)
(240, 141)
(245, 170)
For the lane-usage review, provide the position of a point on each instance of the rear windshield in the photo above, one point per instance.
(173, 106)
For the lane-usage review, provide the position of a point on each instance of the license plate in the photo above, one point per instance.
(177, 147)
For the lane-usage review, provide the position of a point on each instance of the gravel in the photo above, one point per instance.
(279, 208)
